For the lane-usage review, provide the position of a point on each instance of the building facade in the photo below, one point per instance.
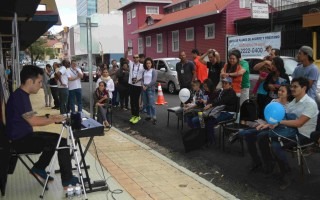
(163, 29)
(86, 7)
(107, 6)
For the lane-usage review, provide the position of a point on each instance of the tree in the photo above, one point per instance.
(39, 49)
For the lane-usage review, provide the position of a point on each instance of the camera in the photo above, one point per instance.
(134, 80)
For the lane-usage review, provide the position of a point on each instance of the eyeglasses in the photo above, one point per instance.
(135, 57)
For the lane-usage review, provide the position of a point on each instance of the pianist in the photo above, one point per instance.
(20, 120)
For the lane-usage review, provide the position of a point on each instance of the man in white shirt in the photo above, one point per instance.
(62, 76)
(300, 120)
(74, 77)
(135, 75)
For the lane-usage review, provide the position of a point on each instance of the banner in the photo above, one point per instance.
(255, 45)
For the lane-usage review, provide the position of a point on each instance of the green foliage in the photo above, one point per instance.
(39, 49)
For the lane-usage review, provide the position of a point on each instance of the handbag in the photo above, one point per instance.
(194, 139)
(213, 112)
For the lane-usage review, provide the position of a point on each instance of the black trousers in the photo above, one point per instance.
(46, 142)
(135, 92)
(124, 97)
(55, 95)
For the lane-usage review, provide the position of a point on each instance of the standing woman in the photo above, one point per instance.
(149, 81)
(46, 85)
(108, 80)
(54, 87)
(234, 70)
(122, 79)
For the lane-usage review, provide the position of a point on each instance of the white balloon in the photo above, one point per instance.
(184, 95)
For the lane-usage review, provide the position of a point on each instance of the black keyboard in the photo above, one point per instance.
(89, 128)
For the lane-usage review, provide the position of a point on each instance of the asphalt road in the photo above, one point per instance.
(228, 170)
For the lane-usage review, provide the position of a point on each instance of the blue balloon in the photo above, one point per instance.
(274, 112)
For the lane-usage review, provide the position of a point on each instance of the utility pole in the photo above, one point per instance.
(88, 25)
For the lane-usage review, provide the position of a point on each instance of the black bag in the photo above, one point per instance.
(52, 81)
(194, 139)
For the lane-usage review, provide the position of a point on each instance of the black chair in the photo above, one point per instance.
(9, 158)
(225, 122)
(248, 112)
(178, 110)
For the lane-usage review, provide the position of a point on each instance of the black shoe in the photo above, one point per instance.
(147, 118)
(154, 121)
(233, 137)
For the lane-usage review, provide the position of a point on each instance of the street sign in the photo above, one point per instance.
(259, 11)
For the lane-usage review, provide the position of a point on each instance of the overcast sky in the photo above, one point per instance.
(68, 14)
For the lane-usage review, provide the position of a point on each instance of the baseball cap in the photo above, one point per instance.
(227, 79)
(307, 50)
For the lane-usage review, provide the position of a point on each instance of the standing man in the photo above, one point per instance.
(113, 74)
(307, 69)
(245, 84)
(142, 57)
(201, 68)
(19, 128)
(214, 65)
(186, 71)
(135, 75)
(62, 77)
(75, 92)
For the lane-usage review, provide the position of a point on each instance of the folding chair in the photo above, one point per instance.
(248, 112)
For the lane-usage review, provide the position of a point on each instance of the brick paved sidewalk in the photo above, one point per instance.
(141, 171)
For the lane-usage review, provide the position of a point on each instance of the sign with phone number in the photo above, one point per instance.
(255, 45)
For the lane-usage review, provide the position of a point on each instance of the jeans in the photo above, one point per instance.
(211, 123)
(115, 101)
(148, 97)
(55, 95)
(63, 97)
(135, 92)
(75, 94)
(45, 143)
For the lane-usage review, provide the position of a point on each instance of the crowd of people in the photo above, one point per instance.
(217, 103)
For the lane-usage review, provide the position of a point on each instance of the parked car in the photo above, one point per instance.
(85, 71)
(167, 74)
(290, 64)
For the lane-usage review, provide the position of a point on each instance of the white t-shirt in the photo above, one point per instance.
(73, 73)
(135, 71)
(64, 77)
(307, 107)
(147, 76)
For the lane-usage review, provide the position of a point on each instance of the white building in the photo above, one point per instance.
(107, 38)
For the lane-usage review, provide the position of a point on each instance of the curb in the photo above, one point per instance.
(174, 164)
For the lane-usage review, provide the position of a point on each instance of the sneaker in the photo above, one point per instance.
(41, 173)
(73, 181)
(132, 119)
(136, 120)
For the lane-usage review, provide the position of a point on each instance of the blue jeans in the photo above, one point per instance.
(115, 101)
(63, 97)
(211, 123)
(75, 94)
(148, 97)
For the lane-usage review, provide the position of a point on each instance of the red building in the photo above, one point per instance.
(162, 28)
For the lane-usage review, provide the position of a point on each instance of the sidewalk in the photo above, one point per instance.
(142, 172)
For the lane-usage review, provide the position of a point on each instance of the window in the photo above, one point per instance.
(189, 34)
(245, 3)
(150, 21)
(161, 64)
(129, 17)
(133, 13)
(148, 41)
(152, 10)
(159, 43)
(130, 45)
(209, 31)
(175, 41)
(140, 45)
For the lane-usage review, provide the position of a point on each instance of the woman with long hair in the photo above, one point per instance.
(234, 70)
(108, 80)
(149, 81)
(102, 97)
(274, 79)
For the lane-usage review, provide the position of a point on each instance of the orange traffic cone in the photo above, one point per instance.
(160, 100)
